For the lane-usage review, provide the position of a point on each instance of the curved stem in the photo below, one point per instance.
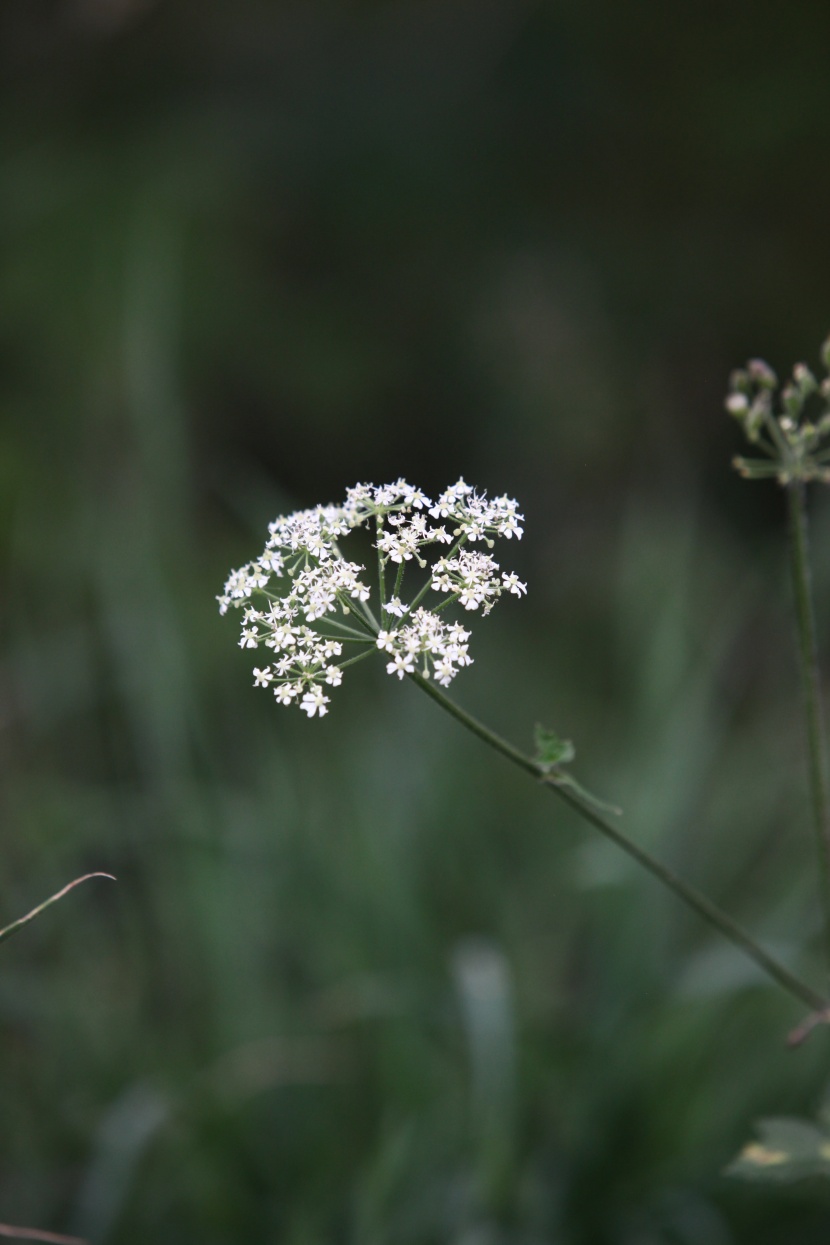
(704, 907)
(811, 683)
(30, 916)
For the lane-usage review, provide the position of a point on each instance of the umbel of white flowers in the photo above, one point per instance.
(301, 578)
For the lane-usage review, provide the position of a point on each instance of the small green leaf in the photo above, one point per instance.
(788, 1150)
(551, 750)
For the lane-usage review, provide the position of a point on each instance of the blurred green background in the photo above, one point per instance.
(358, 982)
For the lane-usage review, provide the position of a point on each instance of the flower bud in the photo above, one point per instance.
(804, 379)
(762, 373)
(792, 400)
(737, 404)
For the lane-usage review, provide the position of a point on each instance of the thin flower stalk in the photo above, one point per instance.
(693, 898)
(811, 684)
(793, 430)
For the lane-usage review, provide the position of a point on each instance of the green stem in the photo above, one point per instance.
(709, 911)
(349, 633)
(346, 639)
(811, 683)
(359, 611)
(341, 665)
(399, 579)
(413, 605)
(781, 443)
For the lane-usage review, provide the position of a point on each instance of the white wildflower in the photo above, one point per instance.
(314, 702)
(402, 664)
(513, 584)
(301, 587)
(286, 692)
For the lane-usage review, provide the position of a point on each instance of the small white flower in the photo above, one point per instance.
(314, 702)
(262, 677)
(513, 584)
(249, 638)
(403, 664)
(285, 693)
(470, 598)
(510, 528)
(334, 676)
(396, 606)
(283, 636)
(445, 671)
(270, 560)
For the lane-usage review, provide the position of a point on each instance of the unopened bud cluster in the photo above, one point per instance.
(301, 578)
(792, 427)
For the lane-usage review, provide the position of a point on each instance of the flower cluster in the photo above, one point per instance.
(301, 578)
(441, 647)
(794, 438)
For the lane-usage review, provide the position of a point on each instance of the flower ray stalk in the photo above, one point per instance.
(381, 570)
(798, 422)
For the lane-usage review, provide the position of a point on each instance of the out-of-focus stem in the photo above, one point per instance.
(811, 683)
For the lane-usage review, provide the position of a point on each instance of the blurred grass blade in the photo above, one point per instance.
(30, 916)
(33, 1234)
(485, 988)
(128, 1128)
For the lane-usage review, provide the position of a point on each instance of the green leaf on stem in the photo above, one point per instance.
(551, 750)
(551, 753)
